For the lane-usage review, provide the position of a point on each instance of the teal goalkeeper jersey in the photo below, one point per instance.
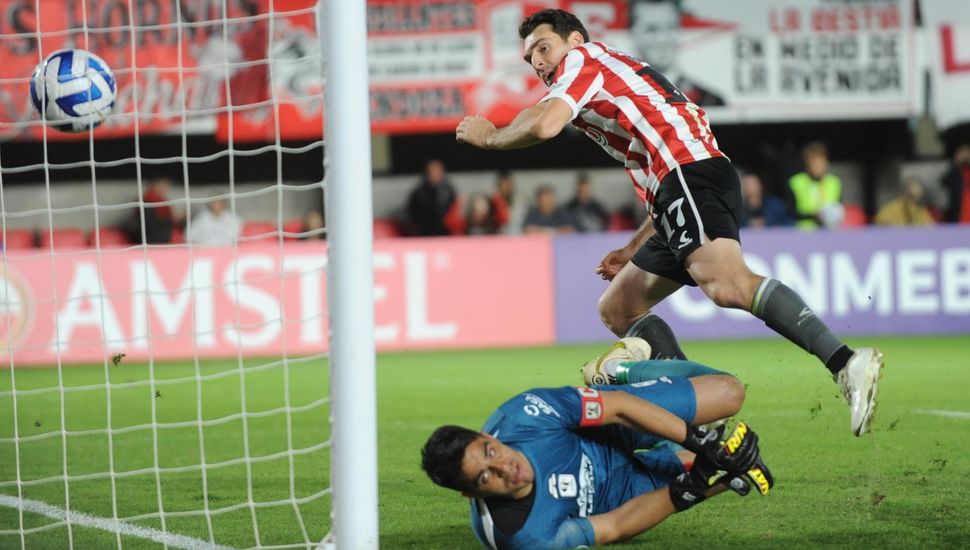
(580, 469)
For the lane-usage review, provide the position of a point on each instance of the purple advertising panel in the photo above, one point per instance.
(870, 281)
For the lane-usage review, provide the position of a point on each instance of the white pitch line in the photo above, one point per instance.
(107, 524)
(948, 414)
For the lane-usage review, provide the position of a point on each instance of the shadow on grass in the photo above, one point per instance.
(444, 537)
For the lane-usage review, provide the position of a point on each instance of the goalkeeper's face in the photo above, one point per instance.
(494, 469)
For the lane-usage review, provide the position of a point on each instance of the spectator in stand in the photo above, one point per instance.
(480, 217)
(545, 216)
(431, 202)
(502, 199)
(909, 208)
(215, 225)
(313, 225)
(761, 209)
(587, 212)
(160, 219)
(957, 184)
(816, 193)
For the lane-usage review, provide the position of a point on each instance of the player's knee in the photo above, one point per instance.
(727, 294)
(721, 294)
(611, 315)
(732, 394)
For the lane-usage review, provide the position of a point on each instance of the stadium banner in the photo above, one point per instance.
(430, 293)
(867, 281)
(948, 30)
(169, 72)
(786, 60)
(432, 62)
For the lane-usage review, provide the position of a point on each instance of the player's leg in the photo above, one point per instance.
(716, 396)
(704, 399)
(698, 400)
(719, 269)
(652, 328)
(708, 201)
(642, 283)
(634, 372)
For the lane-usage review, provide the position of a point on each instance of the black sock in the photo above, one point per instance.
(839, 359)
(658, 334)
(784, 311)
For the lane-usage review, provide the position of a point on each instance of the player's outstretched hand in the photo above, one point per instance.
(758, 476)
(691, 487)
(612, 263)
(474, 130)
(734, 453)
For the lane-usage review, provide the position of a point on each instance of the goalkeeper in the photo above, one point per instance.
(574, 467)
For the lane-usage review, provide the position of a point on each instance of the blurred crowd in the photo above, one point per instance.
(161, 219)
(811, 199)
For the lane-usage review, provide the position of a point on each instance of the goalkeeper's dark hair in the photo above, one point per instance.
(442, 456)
(563, 23)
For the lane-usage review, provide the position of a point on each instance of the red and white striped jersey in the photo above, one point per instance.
(634, 113)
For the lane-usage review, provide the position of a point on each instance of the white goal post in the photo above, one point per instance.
(190, 393)
(350, 214)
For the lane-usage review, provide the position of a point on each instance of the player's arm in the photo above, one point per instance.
(532, 125)
(637, 515)
(620, 407)
(634, 517)
(642, 235)
(613, 262)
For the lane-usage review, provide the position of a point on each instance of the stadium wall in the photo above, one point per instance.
(173, 303)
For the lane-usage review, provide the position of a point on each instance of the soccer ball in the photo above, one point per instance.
(73, 90)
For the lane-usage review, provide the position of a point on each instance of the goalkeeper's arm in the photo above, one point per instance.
(620, 407)
(638, 515)
(629, 410)
(737, 453)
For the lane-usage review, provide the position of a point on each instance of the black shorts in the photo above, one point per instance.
(697, 199)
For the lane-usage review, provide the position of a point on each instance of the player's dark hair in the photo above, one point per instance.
(442, 456)
(563, 23)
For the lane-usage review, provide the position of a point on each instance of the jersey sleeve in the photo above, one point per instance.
(575, 407)
(579, 79)
(575, 533)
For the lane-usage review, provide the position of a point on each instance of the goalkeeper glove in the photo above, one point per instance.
(735, 453)
(760, 476)
(690, 488)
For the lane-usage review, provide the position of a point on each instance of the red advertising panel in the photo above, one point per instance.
(177, 64)
(176, 303)
(431, 62)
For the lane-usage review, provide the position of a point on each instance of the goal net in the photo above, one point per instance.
(169, 364)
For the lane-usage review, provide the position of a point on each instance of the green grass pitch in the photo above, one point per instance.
(902, 486)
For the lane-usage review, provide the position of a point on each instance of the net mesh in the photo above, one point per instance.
(166, 376)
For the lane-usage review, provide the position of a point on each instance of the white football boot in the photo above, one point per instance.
(858, 380)
(630, 348)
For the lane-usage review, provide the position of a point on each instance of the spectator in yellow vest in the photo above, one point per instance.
(909, 208)
(817, 194)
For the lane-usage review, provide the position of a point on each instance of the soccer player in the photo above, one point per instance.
(573, 467)
(691, 191)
